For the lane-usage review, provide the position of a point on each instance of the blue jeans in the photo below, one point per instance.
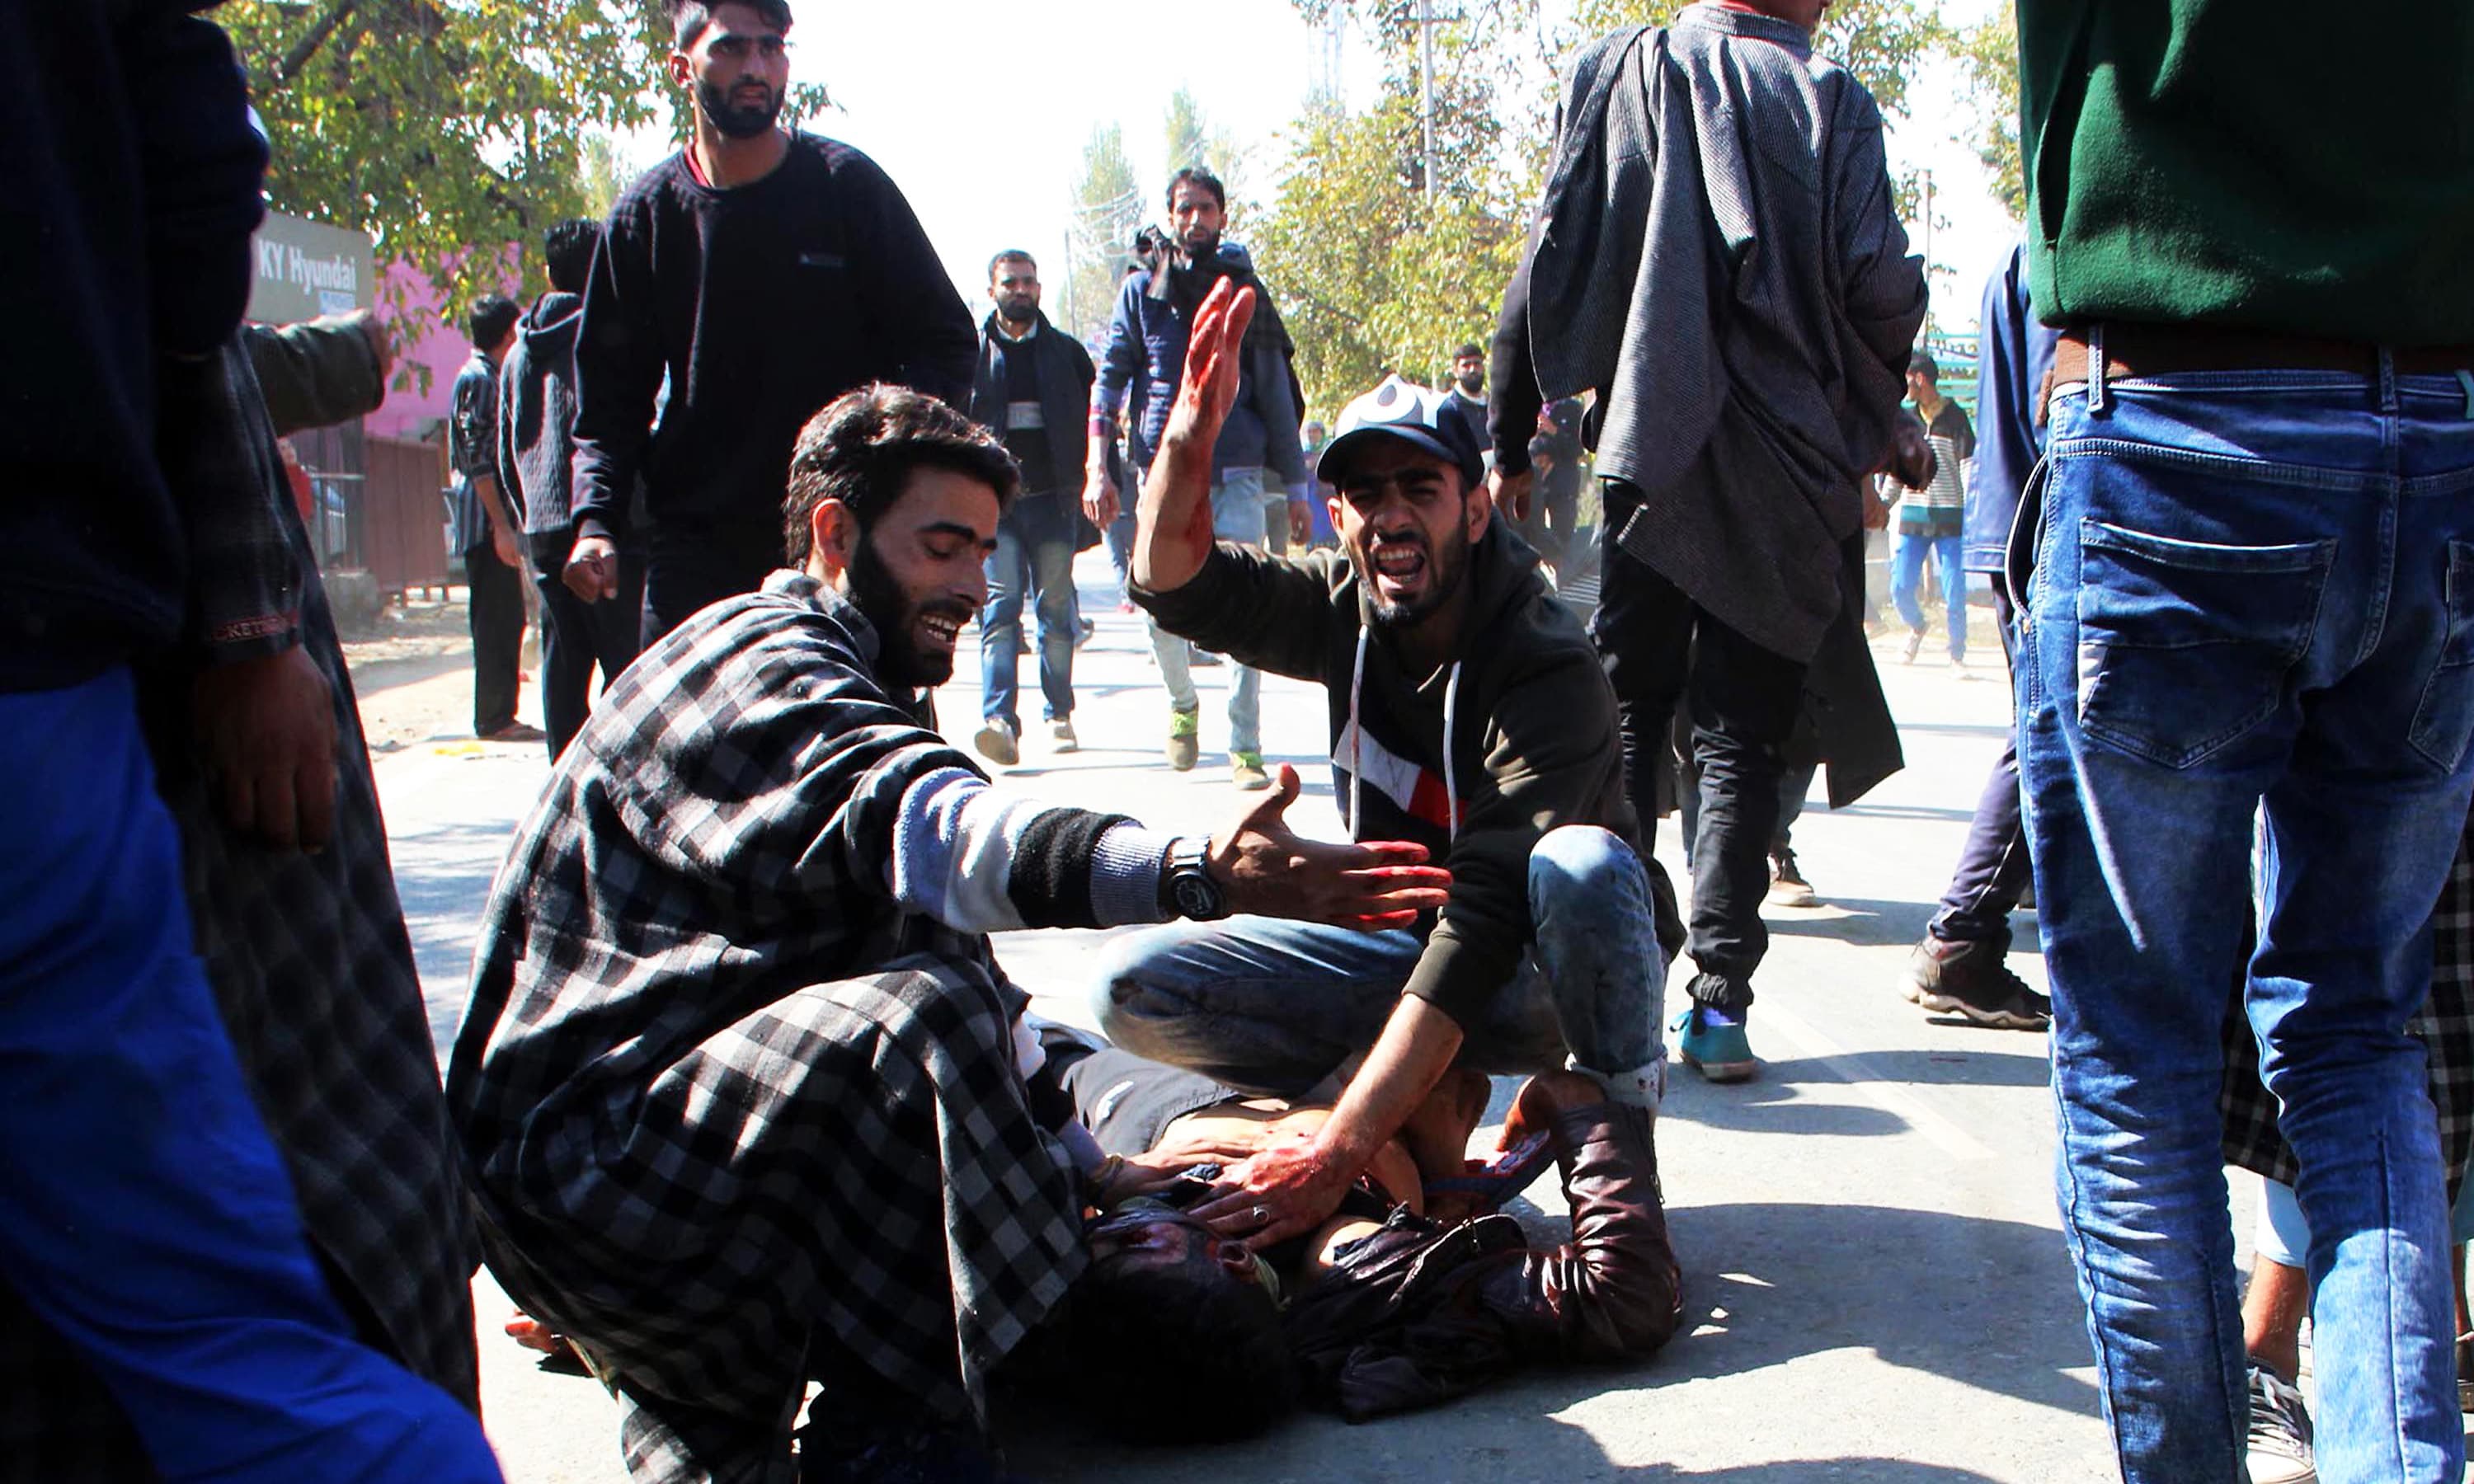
(1237, 501)
(2252, 603)
(1031, 560)
(1907, 579)
(148, 1216)
(1274, 1007)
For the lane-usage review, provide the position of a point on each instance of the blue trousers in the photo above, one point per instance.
(1033, 559)
(2251, 609)
(1908, 578)
(147, 1216)
(1274, 1006)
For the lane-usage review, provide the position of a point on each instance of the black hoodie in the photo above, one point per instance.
(1515, 736)
(537, 413)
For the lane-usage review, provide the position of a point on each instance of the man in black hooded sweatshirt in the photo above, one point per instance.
(535, 447)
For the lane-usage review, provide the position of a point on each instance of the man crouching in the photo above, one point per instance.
(745, 1099)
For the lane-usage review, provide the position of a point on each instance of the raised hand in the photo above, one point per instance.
(1214, 359)
(1269, 868)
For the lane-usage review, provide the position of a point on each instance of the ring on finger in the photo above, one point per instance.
(1262, 1215)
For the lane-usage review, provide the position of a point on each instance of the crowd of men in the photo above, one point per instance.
(743, 1105)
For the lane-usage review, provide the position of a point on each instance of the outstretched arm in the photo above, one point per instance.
(1172, 524)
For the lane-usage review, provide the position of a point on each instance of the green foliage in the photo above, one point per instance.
(1107, 206)
(1990, 54)
(1878, 40)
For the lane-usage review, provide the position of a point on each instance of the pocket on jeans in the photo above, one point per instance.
(2443, 723)
(2184, 646)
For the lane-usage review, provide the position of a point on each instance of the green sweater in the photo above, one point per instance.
(2273, 165)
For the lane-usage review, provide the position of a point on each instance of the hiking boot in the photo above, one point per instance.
(1246, 768)
(1184, 738)
(1787, 886)
(998, 742)
(2280, 1431)
(1972, 981)
(1713, 1043)
(1061, 737)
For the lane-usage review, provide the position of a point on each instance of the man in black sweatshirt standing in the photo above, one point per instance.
(536, 455)
(766, 272)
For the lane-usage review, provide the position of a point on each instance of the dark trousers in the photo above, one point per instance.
(1660, 650)
(578, 636)
(1993, 870)
(496, 609)
(691, 568)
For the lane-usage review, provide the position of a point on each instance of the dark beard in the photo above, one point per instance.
(736, 123)
(1446, 571)
(900, 665)
(1018, 311)
(1473, 383)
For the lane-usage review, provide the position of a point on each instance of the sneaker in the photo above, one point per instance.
(998, 742)
(1083, 628)
(1972, 980)
(1713, 1042)
(516, 731)
(1061, 737)
(1249, 770)
(1184, 738)
(1915, 642)
(1787, 886)
(2280, 1431)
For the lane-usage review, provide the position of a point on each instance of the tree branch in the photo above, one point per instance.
(302, 51)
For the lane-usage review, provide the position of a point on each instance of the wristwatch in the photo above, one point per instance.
(1186, 887)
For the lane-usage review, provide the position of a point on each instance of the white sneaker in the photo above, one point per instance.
(1062, 738)
(2280, 1431)
(997, 742)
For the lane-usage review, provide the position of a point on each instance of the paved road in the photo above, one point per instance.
(1875, 1287)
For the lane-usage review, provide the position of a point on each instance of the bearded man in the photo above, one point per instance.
(766, 271)
(1470, 714)
(746, 1101)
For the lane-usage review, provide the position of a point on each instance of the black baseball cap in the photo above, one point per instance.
(1431, 421)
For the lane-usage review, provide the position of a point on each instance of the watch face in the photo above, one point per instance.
(1195, 895)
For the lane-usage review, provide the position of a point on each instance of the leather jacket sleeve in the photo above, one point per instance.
(1614, 1291)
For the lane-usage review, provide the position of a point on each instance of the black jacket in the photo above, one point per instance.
(537, 413)
(1065, 376)
(133, 176)
(762, 304)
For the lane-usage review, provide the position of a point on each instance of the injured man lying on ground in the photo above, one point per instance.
(1418, 1290)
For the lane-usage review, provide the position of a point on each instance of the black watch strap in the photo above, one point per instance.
(1186, 887)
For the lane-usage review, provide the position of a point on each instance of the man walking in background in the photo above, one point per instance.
(1931, 520)
(766, 271)
(485, 528)
(1033, 389)
(536, 450)
(2246, 633)
(1145, 360)
(1743, 394)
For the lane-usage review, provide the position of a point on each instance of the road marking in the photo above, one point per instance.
(1888, 1096)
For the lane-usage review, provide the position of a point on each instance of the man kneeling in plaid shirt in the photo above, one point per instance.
(748, 1101)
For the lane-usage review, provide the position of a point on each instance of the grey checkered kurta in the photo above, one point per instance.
(736, 1117)
(307, 955)
(2445, 1024)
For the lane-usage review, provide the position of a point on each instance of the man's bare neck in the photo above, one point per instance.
(1931, 403)
(728, 163)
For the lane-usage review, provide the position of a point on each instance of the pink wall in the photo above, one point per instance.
(410, 412)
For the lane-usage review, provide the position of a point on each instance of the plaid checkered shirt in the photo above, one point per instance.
(740, 1081)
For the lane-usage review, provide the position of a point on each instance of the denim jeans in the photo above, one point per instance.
(148, 1216)
(1274, 1007)
(2252, 601)
(1031, 559)
(1907, 579)
(1237, 506)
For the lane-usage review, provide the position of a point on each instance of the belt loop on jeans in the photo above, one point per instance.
(2388, 380)
(2096, 368)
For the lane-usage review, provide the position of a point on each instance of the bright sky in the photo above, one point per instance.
(979, 110)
